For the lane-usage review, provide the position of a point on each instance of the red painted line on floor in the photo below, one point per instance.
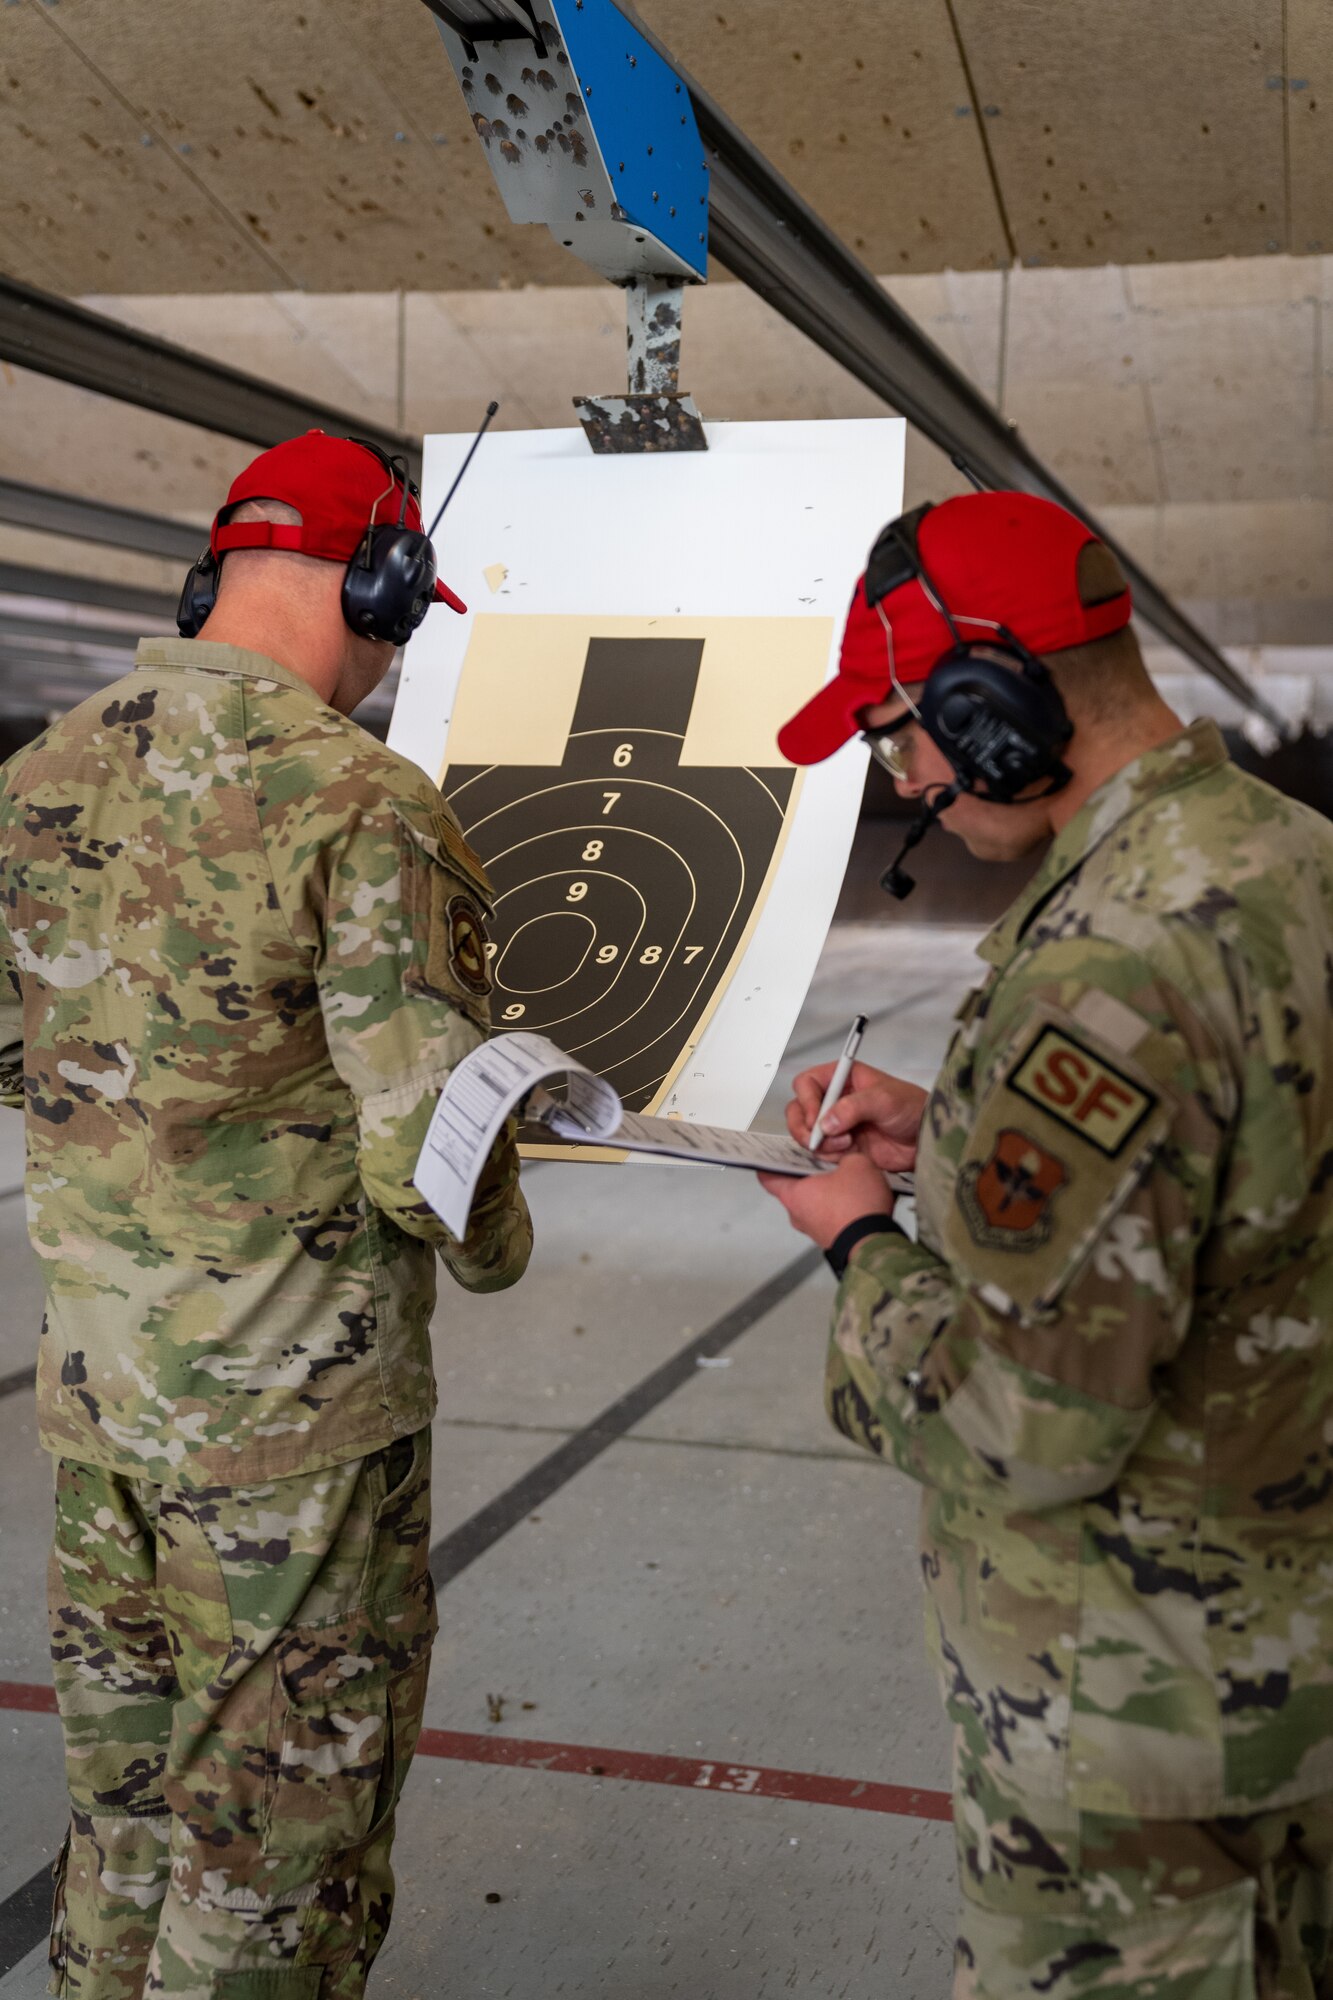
(34, 1700)
(753, 1781)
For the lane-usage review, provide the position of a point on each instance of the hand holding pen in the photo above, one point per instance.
(842, 1069)
(875, 1114)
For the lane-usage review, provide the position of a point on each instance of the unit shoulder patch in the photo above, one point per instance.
(467, 944)
(444, 915)
(1080, 1089)
(1006, 1198)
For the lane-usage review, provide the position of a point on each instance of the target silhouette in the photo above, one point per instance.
(624, 883)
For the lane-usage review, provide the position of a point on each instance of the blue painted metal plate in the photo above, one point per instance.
(644, 124)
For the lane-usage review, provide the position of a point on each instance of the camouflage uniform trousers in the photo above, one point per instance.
(1060, 1904)
(240, 1674)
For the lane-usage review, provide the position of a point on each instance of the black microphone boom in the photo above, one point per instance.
(490, 412)
(895, 881)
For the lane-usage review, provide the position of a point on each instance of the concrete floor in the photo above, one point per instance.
(722, 1602)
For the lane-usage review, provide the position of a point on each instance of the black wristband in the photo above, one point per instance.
(846, 1240)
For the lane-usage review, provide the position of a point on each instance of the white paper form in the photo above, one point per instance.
(716, 1146)
(712, 1146)
(490, 1082)
(481, 1092)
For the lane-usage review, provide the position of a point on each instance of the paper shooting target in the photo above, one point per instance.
(604, 719)
(628, 873)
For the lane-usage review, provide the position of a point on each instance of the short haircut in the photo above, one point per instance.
(278, 511)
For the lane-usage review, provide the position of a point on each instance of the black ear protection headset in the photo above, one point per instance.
(199, 594)
(989, 704)
(388, 586)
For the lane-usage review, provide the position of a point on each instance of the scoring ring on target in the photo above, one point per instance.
(640, 965)
(614, 958)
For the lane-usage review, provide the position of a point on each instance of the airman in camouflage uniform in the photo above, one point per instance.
(243, 948)
(1108, 1359)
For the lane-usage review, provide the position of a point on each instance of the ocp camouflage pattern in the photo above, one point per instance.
(226, 982)
(241, 1673)
(1058, 1903)
(1109, 1358)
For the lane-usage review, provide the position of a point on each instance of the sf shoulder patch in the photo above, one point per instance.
(1081, 1090)
(1062, 1136)
(1007, 1198)
(467, 945)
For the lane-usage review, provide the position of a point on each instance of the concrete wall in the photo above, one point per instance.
(1190, 405)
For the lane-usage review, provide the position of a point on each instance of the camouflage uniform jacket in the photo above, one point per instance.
(1109, 1358)
(242, 948)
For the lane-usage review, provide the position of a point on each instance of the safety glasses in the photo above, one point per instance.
(885, 747)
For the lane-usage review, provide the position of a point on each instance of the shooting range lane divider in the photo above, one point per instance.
(25, 1915)
(459, 1550)
(25, 1919)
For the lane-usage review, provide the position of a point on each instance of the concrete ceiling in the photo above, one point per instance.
(249, 147)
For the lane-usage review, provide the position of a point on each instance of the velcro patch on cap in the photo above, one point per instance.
(1080, 1089)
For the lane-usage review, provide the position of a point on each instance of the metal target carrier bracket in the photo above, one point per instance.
(590, 132)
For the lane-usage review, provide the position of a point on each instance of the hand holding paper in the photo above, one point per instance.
(495, 1078)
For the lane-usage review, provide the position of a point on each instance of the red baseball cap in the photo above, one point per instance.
(1006, 559)
(336, 484)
